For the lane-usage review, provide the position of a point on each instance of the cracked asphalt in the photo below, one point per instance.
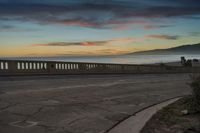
(81, 103)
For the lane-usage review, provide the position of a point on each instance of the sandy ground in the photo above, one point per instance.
(80, 104)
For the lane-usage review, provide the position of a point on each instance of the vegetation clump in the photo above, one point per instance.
(183, 116)
(195, 103)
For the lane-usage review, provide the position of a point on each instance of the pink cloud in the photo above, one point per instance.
(79, 23)
(150, 27)
(122, 40)
(95, 43)
(127, 22)
(166, 37)
(122, 27)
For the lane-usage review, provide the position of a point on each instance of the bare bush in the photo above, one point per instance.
(196, 92)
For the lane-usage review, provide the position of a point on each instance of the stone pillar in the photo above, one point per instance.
(12, 66)
(51, 67)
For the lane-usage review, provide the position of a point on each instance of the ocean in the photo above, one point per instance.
(120, 59)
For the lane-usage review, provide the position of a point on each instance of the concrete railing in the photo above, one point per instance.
(22, 67)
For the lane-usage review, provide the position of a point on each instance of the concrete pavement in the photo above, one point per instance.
(80, 104)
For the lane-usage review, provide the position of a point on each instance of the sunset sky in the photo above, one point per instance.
(95, 27)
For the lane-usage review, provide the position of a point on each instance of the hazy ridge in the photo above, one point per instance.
(185, 49)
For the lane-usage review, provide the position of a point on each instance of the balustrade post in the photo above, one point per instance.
(12, 66)
(51, 67)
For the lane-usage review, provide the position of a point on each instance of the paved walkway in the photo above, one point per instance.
(80, 104)
(134, 124)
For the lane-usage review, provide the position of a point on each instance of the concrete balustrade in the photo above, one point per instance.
(3, 65)
(21, 67)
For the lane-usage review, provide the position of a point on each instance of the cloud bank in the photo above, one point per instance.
(106, 42)
(96, 13)
(165, 37)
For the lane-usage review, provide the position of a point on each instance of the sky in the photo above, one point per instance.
(95, 27)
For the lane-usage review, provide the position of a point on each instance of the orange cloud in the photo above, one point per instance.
(106, 42)
(38, 45)
(88, 43)
(95, 43)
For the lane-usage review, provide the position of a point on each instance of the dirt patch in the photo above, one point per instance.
(175, 118)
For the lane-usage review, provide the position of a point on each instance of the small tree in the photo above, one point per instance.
(183, 60)
(188, 63)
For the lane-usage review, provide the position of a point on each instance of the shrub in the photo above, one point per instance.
(196, 93)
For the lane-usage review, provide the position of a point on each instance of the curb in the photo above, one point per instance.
(119, 122)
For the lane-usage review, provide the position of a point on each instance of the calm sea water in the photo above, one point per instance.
(124, 59)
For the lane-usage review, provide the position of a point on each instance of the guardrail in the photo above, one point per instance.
(22, 67)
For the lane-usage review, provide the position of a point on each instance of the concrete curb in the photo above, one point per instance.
(135, 122)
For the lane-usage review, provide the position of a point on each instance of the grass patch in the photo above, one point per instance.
(182, 116)
(171, 119)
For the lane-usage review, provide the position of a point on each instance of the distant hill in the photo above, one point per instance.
(185, 49)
